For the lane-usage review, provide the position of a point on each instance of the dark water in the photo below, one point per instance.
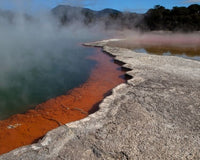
(31, 75)
(185, 52)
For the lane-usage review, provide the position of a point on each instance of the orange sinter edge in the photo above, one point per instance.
(24, 129)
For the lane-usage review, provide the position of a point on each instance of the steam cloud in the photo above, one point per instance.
(33, 45)
(167, 39)
(33, 49)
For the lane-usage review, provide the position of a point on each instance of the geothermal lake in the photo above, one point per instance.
(33, 73)
(48, 65)
(188, 53)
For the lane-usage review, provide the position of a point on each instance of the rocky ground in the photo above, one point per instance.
(155, 115)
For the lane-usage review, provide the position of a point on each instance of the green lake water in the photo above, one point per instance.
(31, 74)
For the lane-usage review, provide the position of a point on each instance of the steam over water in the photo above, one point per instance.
(184, 45)
(39, 60)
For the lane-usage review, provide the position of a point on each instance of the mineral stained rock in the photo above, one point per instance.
(24, 129)
(155, 115)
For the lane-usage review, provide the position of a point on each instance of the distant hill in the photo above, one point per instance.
(184, 19)
(109, 17)
(158, 18)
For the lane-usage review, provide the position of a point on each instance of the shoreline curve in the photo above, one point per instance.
(155, 115)
(78, 103)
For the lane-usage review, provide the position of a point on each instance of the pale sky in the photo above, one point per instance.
(140, 6)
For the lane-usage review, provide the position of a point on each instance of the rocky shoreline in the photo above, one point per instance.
(25, 129)
(155, 115)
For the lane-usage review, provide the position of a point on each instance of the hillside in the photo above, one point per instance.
(159, 18)
(109, 17)
(182, 19)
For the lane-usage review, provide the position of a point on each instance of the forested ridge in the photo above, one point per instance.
(158, 18)
(178, 18)
(183, 19)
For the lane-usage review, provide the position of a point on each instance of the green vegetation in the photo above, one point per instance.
(179, 18)
(158, 18)
(185, 19)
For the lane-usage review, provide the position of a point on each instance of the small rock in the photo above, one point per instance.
(13, 126)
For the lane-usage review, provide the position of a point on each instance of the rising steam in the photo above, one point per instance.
(35, 50)
(39, 59)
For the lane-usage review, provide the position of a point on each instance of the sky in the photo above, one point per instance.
(139, 6)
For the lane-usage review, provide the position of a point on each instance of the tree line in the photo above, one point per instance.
(159, 18)
(176, 19)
